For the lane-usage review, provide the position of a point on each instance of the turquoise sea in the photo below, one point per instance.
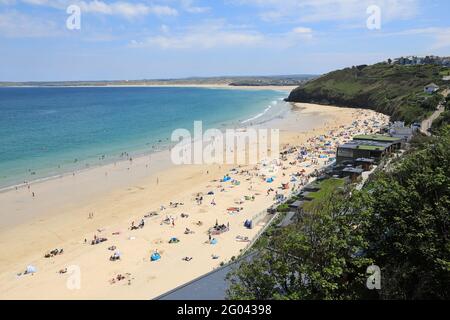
(48, 131)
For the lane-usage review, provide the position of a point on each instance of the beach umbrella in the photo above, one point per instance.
(155, 256)
(31, 269)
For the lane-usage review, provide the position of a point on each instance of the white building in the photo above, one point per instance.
(431, 88)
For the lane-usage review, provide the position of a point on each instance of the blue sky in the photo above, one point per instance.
(181, 38)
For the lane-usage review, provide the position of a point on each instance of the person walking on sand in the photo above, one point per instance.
(32, 194)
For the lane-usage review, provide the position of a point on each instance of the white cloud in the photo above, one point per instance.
(204, 36)
(218, 34)
(17, 25)
(442, 39)
(302, 30)
(189, 6)
(7, 2)
(439, 36)
(125, 9)
(330, 10)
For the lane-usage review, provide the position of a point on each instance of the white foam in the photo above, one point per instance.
(259, 115)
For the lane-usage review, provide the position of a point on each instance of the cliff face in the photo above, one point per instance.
(391, 89)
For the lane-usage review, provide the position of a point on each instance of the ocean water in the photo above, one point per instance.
(49, 131)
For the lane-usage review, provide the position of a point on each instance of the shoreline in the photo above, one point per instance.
(136, 154)
(58, 217)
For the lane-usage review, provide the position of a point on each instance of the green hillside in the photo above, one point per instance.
(394, 90)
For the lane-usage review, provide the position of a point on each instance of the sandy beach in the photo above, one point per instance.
(109, 201)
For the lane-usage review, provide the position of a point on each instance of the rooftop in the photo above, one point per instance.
(377, 137)
(353, 170)
(367, 160)
(287, 220)
(296, 204)
(366, 145)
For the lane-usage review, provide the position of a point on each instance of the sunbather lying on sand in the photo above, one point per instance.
(151, 214)
(53, 253)
(98, 240)
(242, 238)
(115, 256)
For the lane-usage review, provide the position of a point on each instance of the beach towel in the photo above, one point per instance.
(213, 241)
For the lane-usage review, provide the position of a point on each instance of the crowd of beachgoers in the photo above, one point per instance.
(275, 179)
(201, 227)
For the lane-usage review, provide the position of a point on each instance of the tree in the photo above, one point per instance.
(317, 258)
(409, 218)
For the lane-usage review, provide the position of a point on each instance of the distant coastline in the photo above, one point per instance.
(192, 85)
(238, 81)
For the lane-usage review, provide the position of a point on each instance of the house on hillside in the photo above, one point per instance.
(431, 88)
(400, 131)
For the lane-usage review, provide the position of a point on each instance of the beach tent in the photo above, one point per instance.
(269, 180)
(248, 224)
(174, 240)
(31, 269)
(155, 256)
(226, 179)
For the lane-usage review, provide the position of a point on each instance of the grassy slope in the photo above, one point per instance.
(391, 89)
(327, 187)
